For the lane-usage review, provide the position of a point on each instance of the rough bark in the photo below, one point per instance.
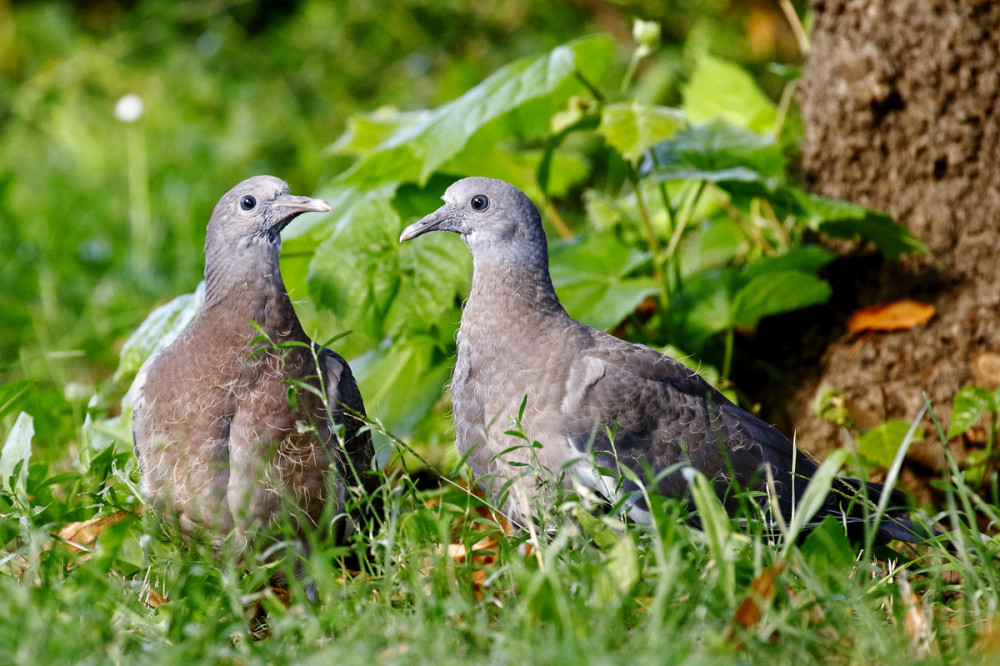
(900, 102)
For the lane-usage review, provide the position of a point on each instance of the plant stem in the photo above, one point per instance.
(727, 359)
(558, 222)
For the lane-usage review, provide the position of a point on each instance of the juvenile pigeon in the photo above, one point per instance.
(592, 401)
(228, 431)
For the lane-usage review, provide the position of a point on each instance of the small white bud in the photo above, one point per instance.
(128, 108)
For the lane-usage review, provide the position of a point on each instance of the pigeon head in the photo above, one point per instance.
(257, 210)
(496, 220)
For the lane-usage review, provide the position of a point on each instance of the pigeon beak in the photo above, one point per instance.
(297, 205)
(439, 220)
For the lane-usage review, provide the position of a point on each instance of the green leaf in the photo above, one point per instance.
(623, 564)
(592, 279)
(808, 259)
(842, 219)
(603, 536)
(161, 327)
(814, 497)
(715, 242)
(774, 292)
(828, 552)
(402, 381)
(704, 306)
(365, 131)
(970, 403)
(378, 287)
(721, 89)
(632, 128)
(525, 94)
(718, 152)
(881, 442)
(16, 454)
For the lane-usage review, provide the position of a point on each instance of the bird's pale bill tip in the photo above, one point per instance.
(432, 222)
(303, 204)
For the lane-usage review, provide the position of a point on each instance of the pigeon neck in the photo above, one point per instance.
(514, 287)
(248, 285)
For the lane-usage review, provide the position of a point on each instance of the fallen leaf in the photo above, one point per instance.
(80, 535)
(898, 316)
(917, 621)
(759, 597)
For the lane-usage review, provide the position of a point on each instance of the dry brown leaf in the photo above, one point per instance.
(81, 535)
(898, 316)
(759, 597)
(917, 621)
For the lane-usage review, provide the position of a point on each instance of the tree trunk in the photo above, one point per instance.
(900, 103)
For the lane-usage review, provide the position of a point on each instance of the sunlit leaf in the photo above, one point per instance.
(881, 442)
(970, 403)
(898, 316)
(721, 89)
(633, 128)
(365, 131)
(592, 278)
(532, 89)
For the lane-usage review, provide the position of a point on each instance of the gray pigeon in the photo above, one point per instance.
(226, 441)
(592, 401)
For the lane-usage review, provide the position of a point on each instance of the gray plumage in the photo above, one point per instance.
(517, 344)
(221, 448)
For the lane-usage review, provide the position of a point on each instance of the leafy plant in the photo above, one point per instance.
(970, 404)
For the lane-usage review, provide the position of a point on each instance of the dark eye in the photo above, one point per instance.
(248, 202)
(480, 202)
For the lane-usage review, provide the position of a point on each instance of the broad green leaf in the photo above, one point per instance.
(13, 395)
(771, 293)
(881, 442)
(161, 327)
(813, 497)
(843, 219)
(970, 403)
(718, 152)
(528, 92)
(721, 89)
(704, 306)
(603, 536)
(566, 169)
(715, 242)
(828, 552)
(592, 279)
(378, 287)
(632, 128)
(16, 454)
(402, 380)
(807, 259)
(365, 131)
(623, 564)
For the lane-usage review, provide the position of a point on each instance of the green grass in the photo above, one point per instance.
(588, 589)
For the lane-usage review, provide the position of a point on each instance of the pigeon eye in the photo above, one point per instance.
(480, 202)
(248, 202)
